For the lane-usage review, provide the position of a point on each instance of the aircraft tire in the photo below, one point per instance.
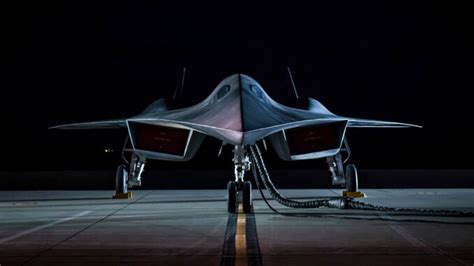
(247, 199)
(231, 197)
(121, 179)
(352, 184)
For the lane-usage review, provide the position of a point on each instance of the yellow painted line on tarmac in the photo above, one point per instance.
(241, 239)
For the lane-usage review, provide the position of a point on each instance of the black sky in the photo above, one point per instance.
(75, 61)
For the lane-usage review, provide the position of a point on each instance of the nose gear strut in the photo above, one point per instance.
(240, 191)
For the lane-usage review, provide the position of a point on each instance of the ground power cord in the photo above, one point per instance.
(259, 170)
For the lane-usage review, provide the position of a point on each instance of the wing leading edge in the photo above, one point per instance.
(159, 106)
(360, 123)
(108, 124)
(314, 106)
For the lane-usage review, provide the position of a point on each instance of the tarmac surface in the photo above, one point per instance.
(192, 227)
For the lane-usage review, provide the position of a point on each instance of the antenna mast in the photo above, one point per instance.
(292, 83)
(183, 75)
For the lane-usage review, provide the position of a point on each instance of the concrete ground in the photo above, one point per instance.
(184, 227)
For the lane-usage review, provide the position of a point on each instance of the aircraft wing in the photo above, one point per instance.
(108, 124)
(356, 122)
(157, 107)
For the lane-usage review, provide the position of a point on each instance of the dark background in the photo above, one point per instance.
(77, 61)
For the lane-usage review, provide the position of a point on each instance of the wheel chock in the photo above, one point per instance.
(353, 194)
(119, 195)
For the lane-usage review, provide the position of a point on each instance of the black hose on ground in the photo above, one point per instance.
(259, 187)
(258, 162)
(339, 203)
(357, 205)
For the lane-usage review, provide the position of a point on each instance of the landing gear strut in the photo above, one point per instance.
(349, 178)
(128, 177)
(137, 166)
(240, 191)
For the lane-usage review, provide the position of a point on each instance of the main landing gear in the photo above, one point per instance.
(128, 177)
(240, 191)
(121, 184)
(348, 178)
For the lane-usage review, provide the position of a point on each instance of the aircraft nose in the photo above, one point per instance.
(239, 81)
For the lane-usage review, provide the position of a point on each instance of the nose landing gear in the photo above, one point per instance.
(231, 197)
(240, 191)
